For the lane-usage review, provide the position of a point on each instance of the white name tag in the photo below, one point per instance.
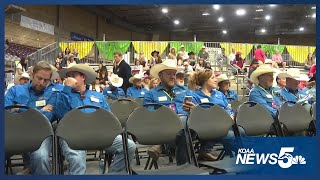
(40, 103)
(269, 96)
(94, 99)
(204, 100)
(109, 92)
(163, 98)
(142, 93)
(229, 106)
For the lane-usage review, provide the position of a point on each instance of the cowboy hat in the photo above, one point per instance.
(222, 77)
(133, 78)
(182, 46)
(268, 61)
(260, 71)
(203, 47)
(296, 74)
(115, 80)
(24, 75)
(155, 51)
(70, 55)
(168, 64)
(85, 69)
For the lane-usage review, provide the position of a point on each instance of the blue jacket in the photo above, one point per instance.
(25, 95)
(268, 98)
(69, 99)
(290, 95)
(116, 93)
(217, 97)
(158, 95)
(136, 92)
(231, 95)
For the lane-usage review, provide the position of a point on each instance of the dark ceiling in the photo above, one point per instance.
(285, 19)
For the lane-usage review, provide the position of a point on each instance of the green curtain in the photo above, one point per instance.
(108, 48)
(188, 46)
(271, 48)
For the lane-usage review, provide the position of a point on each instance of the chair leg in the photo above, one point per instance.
(106, 159)
(147, 164)
(155, 165)
(137, 156)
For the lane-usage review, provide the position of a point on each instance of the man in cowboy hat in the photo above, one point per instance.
(203, 53)
(122, 69)
(75, 94)
(291, 92)
(171, 95)
(38, 94)
(137, 90)
(114, 91)
(224, 85)
(263, 93)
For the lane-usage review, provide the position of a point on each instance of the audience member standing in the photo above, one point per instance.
(122, 69)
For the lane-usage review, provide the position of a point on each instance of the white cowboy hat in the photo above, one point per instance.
(222, 77)
(24, 75)
(182, 46)
(296, 74)
(115, 80)
(203, 47)
(260, 71)
(268, 61)
(85, 69)
(168, 64)
(136, 76)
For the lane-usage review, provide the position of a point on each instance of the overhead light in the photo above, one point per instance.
(272, 5)
(220, 19)
(241, 12)
(314, 15)
(263, 30)
(259, 10)
(205, 14)
(268, 17)
(176, 22)
(301, 29)
(313, 7)
(216, 6)
(164, 10)
(224, 32)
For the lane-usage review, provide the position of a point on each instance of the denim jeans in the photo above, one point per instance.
(40, 159)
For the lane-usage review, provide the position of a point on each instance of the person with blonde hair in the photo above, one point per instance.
(153, 83)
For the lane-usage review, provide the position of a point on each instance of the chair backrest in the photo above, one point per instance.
(110, 101)
(295, 117)
(210, 123)
(235, 104)
(89, 131)
(254, 119)
(139, 100)
(314, 109)
(122, 108)
(151, 127)
(244, 99)
(25, 131)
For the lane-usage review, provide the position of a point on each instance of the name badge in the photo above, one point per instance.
(269, 96)
(204, 100)
(109, 92)
(229, 106)
(40, 103)
(94, 99)
(163, 98)
(142, 93)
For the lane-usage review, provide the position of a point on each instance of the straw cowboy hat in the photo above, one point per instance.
(222, 77)
(295, 74)
(168, 64)
(133, 78)
(260, 71)
(115, 80)
(85, 69)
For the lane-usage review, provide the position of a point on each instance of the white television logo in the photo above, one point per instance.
(284, 159)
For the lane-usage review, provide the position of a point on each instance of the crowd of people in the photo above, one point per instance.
(161, 81)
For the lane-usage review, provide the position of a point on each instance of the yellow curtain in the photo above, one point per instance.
(83, 48)
(312, 49)
(243, 48)
(148, 47)
(298, 53)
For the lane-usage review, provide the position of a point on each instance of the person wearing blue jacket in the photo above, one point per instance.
(75, 94)
(114, 91)
(137, 90)
(224, 87)
(263, 93)
(38, 94)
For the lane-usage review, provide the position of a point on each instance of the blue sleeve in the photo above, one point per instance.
(63, 103)
(195, 99)
(9, 97)
(255, 96)
(105, 92)
(129, 93)
(148, 98)
(121, 93)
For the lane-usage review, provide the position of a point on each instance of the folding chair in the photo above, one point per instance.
(255, 120)
(139, 100)
(211, 123)
(235, 104)
(294, 118)
(110, 101)
(159, 126)
(25, 132)
(89, 131)
(122, 108)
